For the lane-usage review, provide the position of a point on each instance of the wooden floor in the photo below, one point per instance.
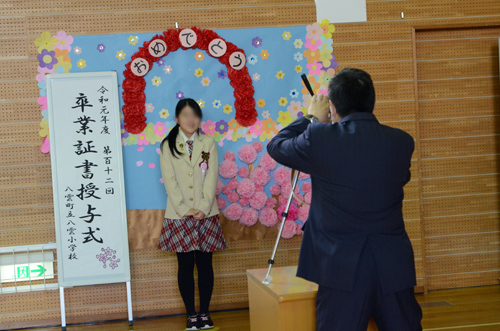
(476, 308)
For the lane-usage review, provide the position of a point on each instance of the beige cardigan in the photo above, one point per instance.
(183, 178)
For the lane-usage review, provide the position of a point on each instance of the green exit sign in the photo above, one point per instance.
(24, 271)
(26, 266)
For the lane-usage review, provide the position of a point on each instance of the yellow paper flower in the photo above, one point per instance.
(120, 55)
(64, 64)
(298, 43)
(132, 40)
(261, 103)
(235, 136)
(265, 136)
(287, 35)
(199, 56)
(156, 81)
(228, 109)
(164, 113)
(328, 28)
(234, 126)
(216, 104)
(264, 54)
(81, 64)
(201, 103)
(298, 68)
(45, 129)
(46, 41)
(283, 101)
(198, 72)
(284, 117)
(280, 74)
(326, 56)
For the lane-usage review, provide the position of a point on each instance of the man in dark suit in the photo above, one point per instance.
(354, 245)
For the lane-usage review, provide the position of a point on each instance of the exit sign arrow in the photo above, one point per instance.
(40, 269)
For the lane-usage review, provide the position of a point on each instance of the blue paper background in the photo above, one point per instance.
(143, 187)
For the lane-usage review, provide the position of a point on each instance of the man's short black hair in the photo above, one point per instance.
(352, 91)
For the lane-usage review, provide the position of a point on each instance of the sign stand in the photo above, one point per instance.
(88, 186)
(129, 305)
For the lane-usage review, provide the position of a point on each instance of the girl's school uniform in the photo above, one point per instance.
(190, 182)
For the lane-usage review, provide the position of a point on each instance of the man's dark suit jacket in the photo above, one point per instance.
(358, 168)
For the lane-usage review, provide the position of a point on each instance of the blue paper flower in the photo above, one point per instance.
(298, 56)
(252, 59)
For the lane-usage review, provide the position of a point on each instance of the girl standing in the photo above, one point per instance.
(191, 227)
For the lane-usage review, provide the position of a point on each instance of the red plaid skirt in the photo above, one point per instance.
(189, 234)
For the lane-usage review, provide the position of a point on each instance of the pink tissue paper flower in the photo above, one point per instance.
(267, 162)
(249, 216)
(260, 176)
(289, 229)
(304, 176)
(219, 187)
(233, 197)
(308, 197)
(282, 175)
(303, 213)
(233, 184)
(298, 199)
(244, 201)
(271, 203)
(247, 154)
(221, 203)
(268, 217)
(233, 212)
(246, 188)
(258, 201)
(292, 212)
(228, 169)
(275, 189)
(243, 172)
(258, 146)
(306, 187)
(298, 229)
(229, 156)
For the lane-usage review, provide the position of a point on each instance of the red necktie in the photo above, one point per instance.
(190, 149)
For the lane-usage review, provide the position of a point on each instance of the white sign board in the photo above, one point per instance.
(341, 11)
(87, 178)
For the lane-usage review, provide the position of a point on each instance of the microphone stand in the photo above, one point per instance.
(268, 277)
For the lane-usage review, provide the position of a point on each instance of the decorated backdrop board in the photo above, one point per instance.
(247, 82)
(87, 176)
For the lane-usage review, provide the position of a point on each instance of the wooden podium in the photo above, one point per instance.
(287, 303)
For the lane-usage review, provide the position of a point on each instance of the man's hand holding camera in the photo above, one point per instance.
(320, 108)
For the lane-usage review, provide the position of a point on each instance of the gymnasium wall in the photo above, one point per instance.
(433, 79)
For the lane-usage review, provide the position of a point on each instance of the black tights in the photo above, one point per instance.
(186, 279)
